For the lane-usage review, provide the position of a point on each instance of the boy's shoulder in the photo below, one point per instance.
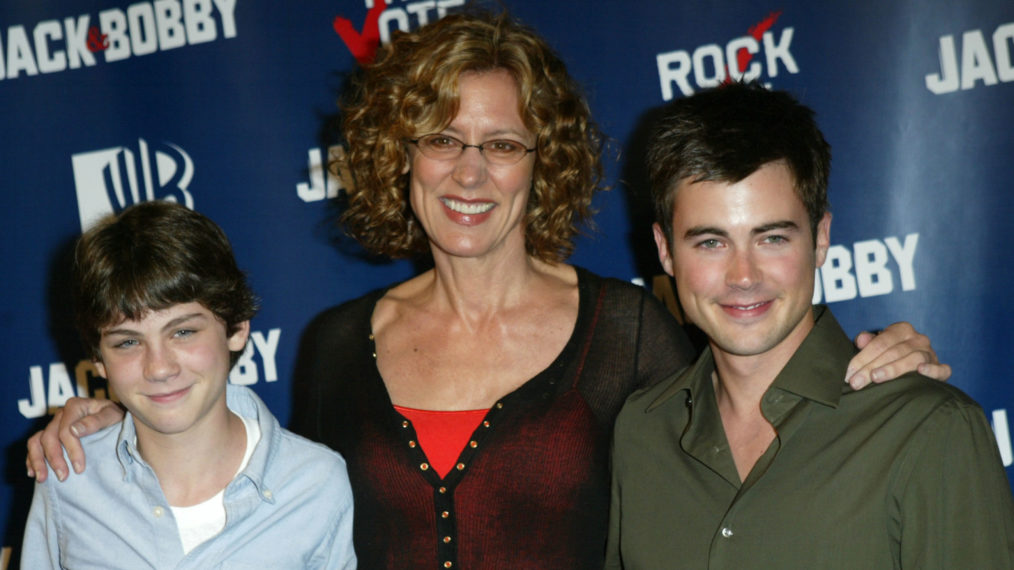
(292, 442)
(103, 465)
(301, 471)
(285, 452)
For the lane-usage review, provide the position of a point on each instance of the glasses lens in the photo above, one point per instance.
(503, 151)
(440, 146)
(444, 147)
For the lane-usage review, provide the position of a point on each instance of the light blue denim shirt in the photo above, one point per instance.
(291, 507)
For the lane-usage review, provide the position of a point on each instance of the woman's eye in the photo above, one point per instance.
(442, 142)
(504, 146)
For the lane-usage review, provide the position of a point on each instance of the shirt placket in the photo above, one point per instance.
(443, 489)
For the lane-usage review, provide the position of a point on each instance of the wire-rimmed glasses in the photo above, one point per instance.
(504, 152)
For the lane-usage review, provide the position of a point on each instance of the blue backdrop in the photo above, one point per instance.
(229, 106)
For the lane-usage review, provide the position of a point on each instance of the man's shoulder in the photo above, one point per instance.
(918, 409)
(916, 394)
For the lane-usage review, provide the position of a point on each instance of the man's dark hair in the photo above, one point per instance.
(727, 133)
(149, 257)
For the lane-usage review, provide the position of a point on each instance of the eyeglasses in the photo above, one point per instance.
(503, 152)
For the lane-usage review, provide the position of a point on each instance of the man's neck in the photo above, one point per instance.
(194, 466)
(740, 382)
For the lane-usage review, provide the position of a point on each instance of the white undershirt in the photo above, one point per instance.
(202, 521)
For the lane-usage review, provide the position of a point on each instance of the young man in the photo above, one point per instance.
(198, 473)
(758, 456)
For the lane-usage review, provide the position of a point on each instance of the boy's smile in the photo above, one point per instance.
(170, 367)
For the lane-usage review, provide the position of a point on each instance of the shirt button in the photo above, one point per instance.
(460, 466)
(411, 444)
(485, 423)
(473, 444)
(424, 466)
(158, 512)
(442, 490)
(726, 532)
(267, 494)
(448, 564)
(447, 539)
(445, 514)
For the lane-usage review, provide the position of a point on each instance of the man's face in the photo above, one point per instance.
(743, 258)
(170, 368)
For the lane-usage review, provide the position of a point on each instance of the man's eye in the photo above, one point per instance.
(776, 239)
(709, 243)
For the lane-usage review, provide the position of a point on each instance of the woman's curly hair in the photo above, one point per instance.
(412, 89)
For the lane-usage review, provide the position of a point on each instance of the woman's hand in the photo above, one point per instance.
(895, 351)
(79, 417)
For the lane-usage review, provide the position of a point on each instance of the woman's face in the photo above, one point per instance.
(468, 206)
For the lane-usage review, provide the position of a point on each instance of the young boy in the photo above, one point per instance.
(198, 473)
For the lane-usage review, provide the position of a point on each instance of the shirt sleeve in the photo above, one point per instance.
(41, 547)
(955, 508)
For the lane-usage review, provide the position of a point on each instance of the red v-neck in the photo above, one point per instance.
(442, 434)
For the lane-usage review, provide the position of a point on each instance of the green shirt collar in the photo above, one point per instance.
(815, 372)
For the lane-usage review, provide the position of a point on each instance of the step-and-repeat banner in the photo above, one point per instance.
(229, 107)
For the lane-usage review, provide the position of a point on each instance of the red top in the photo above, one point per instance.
(442, 435)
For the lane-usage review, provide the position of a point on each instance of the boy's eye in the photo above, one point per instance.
(126, 343)
(183, 333)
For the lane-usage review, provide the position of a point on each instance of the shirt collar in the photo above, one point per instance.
(243, 402)
(126, 446)
(815, 372)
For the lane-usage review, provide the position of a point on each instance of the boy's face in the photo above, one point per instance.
(743, 258)
(170, 368)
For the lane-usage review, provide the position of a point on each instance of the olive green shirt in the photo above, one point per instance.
(904, 474)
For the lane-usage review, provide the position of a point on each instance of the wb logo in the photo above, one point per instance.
(112, 179)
